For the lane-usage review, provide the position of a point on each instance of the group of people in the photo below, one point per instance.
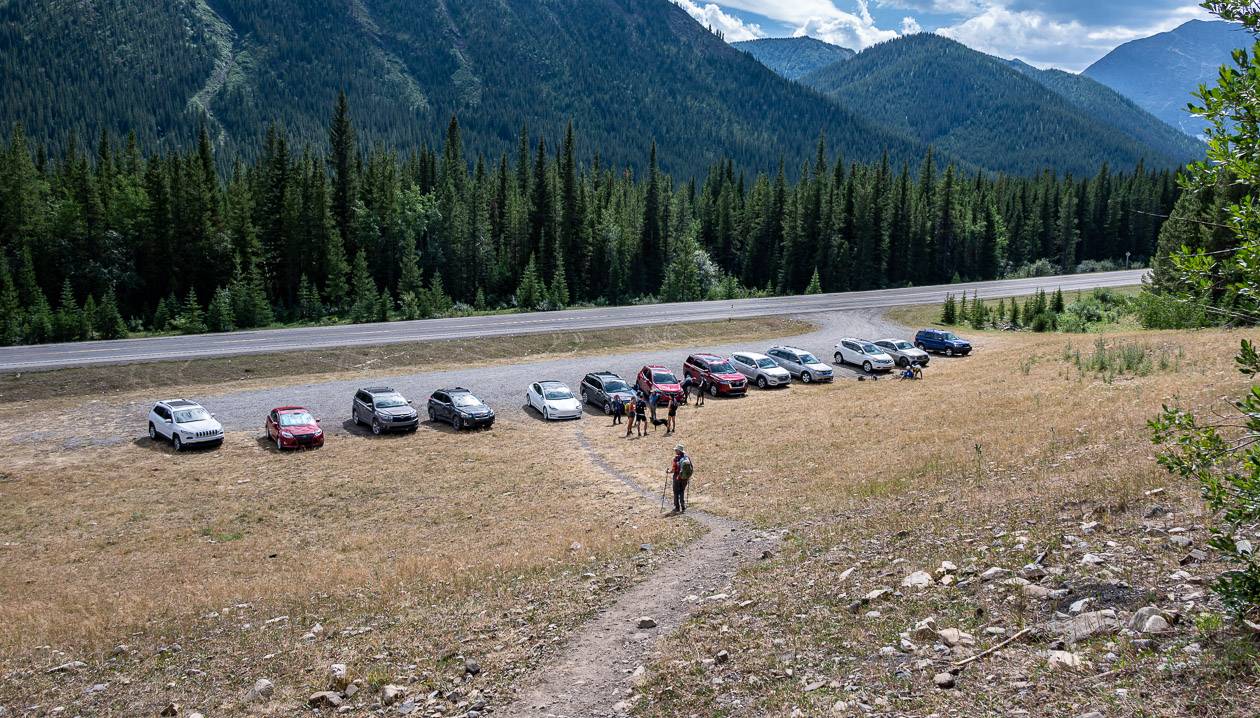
(912, 371)
(644, 408)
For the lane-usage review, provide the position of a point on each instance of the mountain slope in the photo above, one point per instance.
(794, 57)
(625, 71)
(1113, 109)
(1161, 72)
(980, 109)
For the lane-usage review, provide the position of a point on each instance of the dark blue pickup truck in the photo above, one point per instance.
(942, 342)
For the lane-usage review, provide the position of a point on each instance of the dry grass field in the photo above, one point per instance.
(412, 552)
(1018, 451)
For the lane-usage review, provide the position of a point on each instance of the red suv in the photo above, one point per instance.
(655, 377)
(293, 427)
(716, 373)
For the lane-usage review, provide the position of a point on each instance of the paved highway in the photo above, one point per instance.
(55, 356)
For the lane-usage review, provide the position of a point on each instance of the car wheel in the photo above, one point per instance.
(761, 382)
(279, 444)
(432, 415)
(839, 359)
(354, 416)
(806, 377)
(153, 435)
(177, 442)
(949, 352)
(585, 399)
(546, 414)
(919, 346)
(607, 407)
(376, 427)
(866, 367)
(713, 390)
(458, 423)
(903, 362)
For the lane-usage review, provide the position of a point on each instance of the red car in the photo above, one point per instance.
(716, 373)
(655, 377)
(293, 427)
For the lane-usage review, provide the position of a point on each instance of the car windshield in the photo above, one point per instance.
(390, 402)
(870, 349)
(722, 367)
(465, 400)
(557, 393)
(297, 418)
(187, 416)
(766, 363)
(663, 377)
(903, 345)
(612, 385)
(949, 336)
(807, 358)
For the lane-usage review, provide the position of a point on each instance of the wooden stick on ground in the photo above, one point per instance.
(998, 647)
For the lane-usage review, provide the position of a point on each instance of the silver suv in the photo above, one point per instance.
(760, 369)
(384, 410)
(801, 364)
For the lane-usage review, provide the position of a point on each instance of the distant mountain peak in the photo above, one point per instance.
(1161, 72)
(794, 57)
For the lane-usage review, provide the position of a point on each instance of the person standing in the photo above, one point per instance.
(701, 387)
(653, 401)
(680, 473)
(672, 422)
(618, 410)
(640, 416)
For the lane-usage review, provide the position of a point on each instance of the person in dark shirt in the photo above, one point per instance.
(672, 422)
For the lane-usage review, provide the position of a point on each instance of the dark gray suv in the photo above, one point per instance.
(601, 388)
(384, 410)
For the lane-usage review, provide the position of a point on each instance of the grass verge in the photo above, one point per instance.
(349, 361)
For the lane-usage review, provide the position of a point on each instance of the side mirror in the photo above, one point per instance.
(318, 421)
(409, 402)
(167, 421)
(213, 415)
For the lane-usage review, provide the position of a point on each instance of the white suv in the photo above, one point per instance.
(184, 423)
(860, 352)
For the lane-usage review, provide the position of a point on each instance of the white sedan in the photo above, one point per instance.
(553, 400)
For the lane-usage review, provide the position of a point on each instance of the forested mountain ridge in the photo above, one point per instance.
(979, 109)
(626, 72)
(1109, 107)
(1160, 73)
(794, 57)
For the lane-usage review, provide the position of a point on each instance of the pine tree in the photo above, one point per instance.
(164, 313)
(683, 282)
(949, 311)
(979, 314)
(343, 162)
(479, 303)
(1014, 315)
(39, 321)
(963, 311)
(336, 271)
(815, 285)
(439, 300)
(191, 318)
(220, 316)
(11, 315)
(559, 290)
(309, 307)
(999, 314)
(531, 292)
(1057, 305)
(109, 320)
(87, 319)
(69, 319)
(384, 306)
(365, 296)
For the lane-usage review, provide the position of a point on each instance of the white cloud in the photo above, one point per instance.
(910, 26)
(1043, 41)
(711, 15)
(819, 18)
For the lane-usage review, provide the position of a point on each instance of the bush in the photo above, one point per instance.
(1039, 268)
(1091, 266)
(1045, 321)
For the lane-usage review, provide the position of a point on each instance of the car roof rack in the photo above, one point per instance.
(380, 390)
(179, 402)
(452, 390)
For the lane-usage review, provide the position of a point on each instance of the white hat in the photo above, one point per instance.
(678, 447)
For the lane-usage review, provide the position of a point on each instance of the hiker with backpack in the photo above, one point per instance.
(680, 471)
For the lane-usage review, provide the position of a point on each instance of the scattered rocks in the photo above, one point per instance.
(1180, 540)
(1150, 619)
(472, 667)
(171, 709)
(1087, 625)
(924, 630)
(944, 681)
(1064, 659)
(1092, 559)
(954, 637)
(69, 667)
(1091, 714)
(325, 699)
(1195, 556)
(338, 677)
(995, 573)
(946, 568)
(391, 694)
(722, 656)
(646, 622)
(877, 594)
(918, 579)
(263, 690)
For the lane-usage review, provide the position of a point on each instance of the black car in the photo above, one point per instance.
(602, 387)
(460, 408)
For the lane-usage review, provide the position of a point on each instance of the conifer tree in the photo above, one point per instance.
(949, 311)
(1057, 305)
(365, 296)
(979, 314)
(109, 320)
(11, 315)
(815, 284)
(683, 282)
(531, 292)
(39, 321)
(220, 316)
(384, 306)
(164, 313)
(559, 289)
(439, 300)
(191, 318)
(87, 319)
(309, 306)
(963, 311)
(69, 319)
(999, 314)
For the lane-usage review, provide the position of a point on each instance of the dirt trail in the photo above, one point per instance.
(593, 677)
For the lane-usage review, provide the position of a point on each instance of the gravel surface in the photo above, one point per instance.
(501, 386)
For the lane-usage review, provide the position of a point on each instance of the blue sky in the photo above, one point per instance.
(1068, 34)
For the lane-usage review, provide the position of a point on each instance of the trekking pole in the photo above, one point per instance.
(664, 490)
